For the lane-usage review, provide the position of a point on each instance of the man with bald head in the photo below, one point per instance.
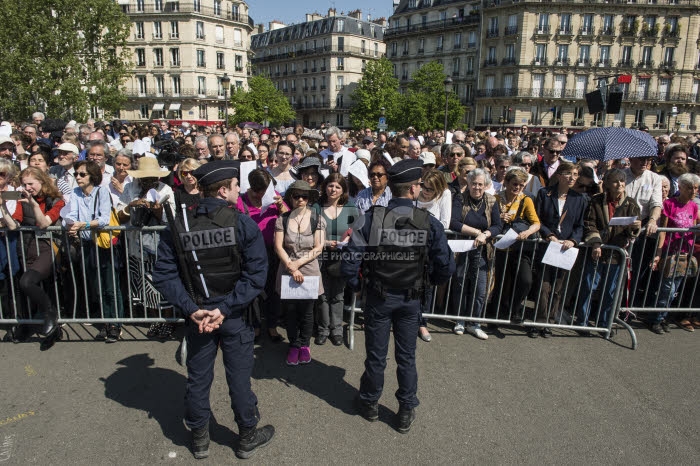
(217, 147)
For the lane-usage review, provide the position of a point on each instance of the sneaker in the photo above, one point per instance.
(293, 356)
(406, 418)
(477, 332)
(114, 333)
(459, 329)
(304, 355)
(656, 328)
(253, 438)
(665, 326)
(102, 336)
(154, 330)
(546, 332)
(367, 409)
(533, 332)
(200, 442)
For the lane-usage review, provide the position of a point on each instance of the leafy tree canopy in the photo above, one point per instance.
(423, 105)
(249, 105)
(378, 88)
(62, 57)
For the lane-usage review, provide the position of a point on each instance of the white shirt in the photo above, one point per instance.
(440, 208)
(645, 189)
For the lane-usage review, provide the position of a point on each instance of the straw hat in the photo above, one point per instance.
(148, 168)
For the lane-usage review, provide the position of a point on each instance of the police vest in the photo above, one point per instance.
(398, 248)
(211, 250)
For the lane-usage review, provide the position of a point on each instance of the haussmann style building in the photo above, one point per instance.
(181, 52)
(317, 63)
(517, 62)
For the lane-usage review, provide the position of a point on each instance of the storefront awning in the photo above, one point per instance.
(174, 107)
(158, 106)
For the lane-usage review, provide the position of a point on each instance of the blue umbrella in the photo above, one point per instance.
(610, 143)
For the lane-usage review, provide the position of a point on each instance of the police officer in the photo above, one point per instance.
(226, 256)
(403, 250)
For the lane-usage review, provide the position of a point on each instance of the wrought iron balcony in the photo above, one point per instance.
(539, 61)
(448, 23)
(490, 62)
(607, 31)
(510, 30)
(646, 64)
(562, 62)
(583, 62)
(491, 33)
(508, 61)
(625, 63)
(542, 30)
(565, 31)
(586, 31)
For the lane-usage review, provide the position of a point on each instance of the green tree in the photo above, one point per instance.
(378, 88)
(423, 105)
(62, 56)
(249, 105)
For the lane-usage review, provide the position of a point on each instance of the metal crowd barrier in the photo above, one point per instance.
(75, 286)
(646, 286)
(500, 309)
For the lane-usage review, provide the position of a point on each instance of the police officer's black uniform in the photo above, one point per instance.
(403, 250)
(225, 255)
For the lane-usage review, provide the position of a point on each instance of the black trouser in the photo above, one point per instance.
(512, 284)
(39, 267)
(300, 320)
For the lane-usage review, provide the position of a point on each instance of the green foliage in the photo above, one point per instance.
(423, 105)
(378, 88)
(64, 56)
(249, 105)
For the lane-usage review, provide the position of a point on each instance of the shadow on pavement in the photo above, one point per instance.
(159, 392)
(317, 378)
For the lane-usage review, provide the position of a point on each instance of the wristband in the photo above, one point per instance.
(87, 225)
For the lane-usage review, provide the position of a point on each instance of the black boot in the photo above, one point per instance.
(200, 442)
(50, 322)
(253, 438)
(406, 418)
(51, 339)
(367, 409)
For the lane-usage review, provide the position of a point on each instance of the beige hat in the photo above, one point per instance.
(427, 158)
(148, 168)
(5, 140)
(69, 147)
(363, 154)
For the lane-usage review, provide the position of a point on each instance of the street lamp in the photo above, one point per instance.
(674, 113)
(225, 82)
(265, 123)
(448, 83)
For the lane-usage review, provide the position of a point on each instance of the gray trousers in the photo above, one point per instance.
(330, 306)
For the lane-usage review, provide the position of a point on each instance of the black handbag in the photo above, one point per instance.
(519, 224)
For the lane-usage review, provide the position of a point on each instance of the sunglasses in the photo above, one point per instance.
(80, 174)
(3, 174)
(296, 197)
(274, 135)
(456, 154)
(377, 175)
(186, 173)
(526, 164)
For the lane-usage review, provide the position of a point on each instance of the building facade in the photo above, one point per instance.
(536, 61)
(316, 64)
(181, 52)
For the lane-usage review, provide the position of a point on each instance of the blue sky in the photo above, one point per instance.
(264, 11)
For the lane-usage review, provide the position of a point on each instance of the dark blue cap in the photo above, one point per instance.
(216, 171)
(405, 171)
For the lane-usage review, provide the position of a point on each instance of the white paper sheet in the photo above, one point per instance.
(359, 170)
(245, 169)
(152, 195)
(460, 245)
(622, 221)
(561, 259)
(268, 198)
(507, 240)
(388, 157)
(325, 172)
(348, 159)
(293, 290)
(448, 138)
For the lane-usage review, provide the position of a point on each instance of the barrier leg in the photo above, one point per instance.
(630, 330)
(351, 325)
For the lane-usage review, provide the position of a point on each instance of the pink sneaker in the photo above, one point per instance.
(304, 355)
(293, 356)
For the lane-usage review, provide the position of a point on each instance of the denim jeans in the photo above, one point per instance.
(669, 286)
(330, 306)
(473, 295)
(598, 274)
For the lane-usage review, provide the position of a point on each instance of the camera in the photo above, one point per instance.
(167, 154)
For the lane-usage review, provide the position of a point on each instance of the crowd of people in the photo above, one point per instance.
(479, 185)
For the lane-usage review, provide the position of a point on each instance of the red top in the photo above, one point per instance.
(54, 213)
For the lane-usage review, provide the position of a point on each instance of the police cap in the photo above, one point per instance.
(216, 171)
(405, 171)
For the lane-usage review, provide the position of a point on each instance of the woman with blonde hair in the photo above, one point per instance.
(188, 192)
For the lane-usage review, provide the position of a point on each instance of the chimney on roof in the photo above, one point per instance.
(396, 5)
(357, 14)
(331, 12)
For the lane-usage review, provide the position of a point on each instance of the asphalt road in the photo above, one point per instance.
(567, 399)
